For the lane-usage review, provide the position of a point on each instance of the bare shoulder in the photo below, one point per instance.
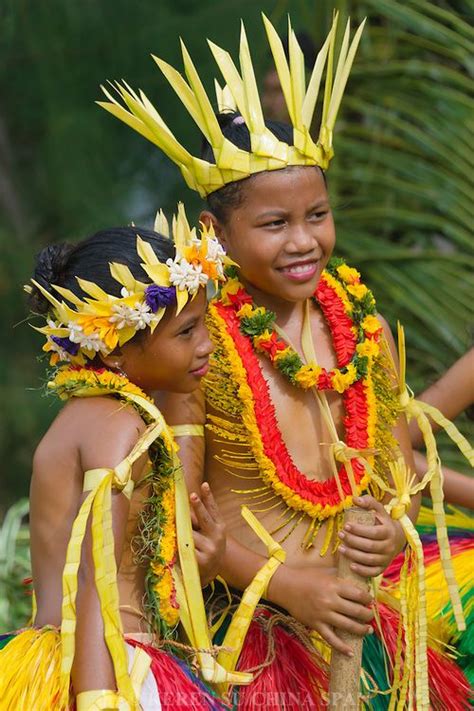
(89, 433)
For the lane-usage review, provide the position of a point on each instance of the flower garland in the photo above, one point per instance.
(355, 338)
(353, 323)
(77, 329)
(156, 544)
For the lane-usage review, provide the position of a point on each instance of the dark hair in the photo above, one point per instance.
(234, 129)
(60, 264)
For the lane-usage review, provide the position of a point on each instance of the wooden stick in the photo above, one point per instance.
(344, 674)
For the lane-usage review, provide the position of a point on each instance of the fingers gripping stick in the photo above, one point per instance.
(344, 670)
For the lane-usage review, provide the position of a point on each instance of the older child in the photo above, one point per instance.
(304, 413)
(109, 523)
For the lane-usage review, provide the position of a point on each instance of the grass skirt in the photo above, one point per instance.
(30, 662)
(289, 673)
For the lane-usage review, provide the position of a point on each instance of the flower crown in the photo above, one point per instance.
(267, 152)
(77, 329)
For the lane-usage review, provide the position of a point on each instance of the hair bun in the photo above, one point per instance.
(51, 263)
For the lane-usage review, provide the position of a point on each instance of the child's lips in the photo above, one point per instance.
(201, 371)
(300, 271)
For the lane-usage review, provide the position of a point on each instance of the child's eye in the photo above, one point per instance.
(186, 331)
(319, 214)
(275, 223)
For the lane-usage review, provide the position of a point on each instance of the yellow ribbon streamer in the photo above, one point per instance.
(434, 475)
(99, 700)
(413, 609)
(189, 594)
(237, 630)
(187, 430)
(98, 502)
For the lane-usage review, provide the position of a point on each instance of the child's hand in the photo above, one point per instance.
(209, 534)
(323, 602)
(371, 548)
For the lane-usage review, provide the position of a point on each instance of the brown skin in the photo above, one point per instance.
(285, 220)
(451, 394)
(100, 432)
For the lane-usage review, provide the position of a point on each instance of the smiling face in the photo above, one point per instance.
(175, 356)
(281, 234)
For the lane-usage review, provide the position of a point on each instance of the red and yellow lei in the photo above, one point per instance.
(243, 330)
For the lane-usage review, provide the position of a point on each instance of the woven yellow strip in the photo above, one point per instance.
(187, 430)
(105, 569)
(97, 700)
(257, 589)
(140, 668)
(418, 611)
(189, 593)
(434, 475)
(450, 429)
(68, 611)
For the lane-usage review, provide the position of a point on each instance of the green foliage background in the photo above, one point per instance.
(401, 181)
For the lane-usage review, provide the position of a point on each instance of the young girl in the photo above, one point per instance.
(111, 542)
(304, 405)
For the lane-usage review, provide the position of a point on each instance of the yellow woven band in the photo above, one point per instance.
(268, 570)
(187, 430)
(99, 700)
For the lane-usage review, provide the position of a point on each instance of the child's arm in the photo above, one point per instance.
(313, 596)
(451, 394)
(106, 439)
(328, 601)
(372, 548)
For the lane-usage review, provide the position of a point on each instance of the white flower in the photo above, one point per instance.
(54, 324)
(215, 251)
(93, 342)
(138, 316)
(185, 276)
(216, 254)
(75, 332)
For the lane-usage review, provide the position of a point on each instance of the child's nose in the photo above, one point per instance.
(206, 346)
(301, 240)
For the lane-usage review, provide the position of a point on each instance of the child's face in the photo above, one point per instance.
(282, 234)
(175, 356)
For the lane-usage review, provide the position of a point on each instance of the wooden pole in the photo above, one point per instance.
(344, 674)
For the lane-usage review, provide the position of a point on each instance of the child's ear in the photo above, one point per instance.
(114, 360)
(208, 218)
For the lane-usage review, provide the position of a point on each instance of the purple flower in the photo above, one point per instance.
(158, 297)
(66, 344)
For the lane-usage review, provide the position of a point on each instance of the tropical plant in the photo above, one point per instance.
(15, 603)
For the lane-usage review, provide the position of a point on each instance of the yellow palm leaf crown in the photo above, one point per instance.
(267, 152)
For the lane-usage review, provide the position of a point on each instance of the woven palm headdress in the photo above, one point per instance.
(240, 91)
